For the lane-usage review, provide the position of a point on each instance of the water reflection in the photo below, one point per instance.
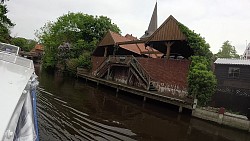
(69, 109)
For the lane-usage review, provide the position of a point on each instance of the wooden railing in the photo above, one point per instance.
(125, 61)
(141, 71)
(101, 67)
(121, 59)
(111, 60)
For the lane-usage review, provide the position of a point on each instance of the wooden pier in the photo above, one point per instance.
(137, 91)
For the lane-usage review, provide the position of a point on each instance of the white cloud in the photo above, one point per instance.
(216, 20)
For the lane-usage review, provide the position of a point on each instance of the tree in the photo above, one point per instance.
(5, 24)
(81, 31)
(2, 1)
(227, 51)
(24, 44)
(201, 80)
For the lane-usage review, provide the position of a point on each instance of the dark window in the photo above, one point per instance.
(233, 72)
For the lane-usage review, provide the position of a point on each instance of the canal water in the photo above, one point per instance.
(71, 109)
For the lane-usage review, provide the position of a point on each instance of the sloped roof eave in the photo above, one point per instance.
(181, 36)
(109, 42)
(227, 61)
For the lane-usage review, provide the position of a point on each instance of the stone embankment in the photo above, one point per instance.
(223, 118)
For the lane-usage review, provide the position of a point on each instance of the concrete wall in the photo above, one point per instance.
(232, 120)
(218, 132)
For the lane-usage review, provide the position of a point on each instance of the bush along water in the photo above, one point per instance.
(201, 80)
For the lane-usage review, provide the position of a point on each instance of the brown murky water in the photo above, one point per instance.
(70, 109)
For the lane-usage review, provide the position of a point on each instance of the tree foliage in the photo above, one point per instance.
(227, 51)
(2, 1)
(24, 44)
(5, 24)
(81, 31)
(201, 80)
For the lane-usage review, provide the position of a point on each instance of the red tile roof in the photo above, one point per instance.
(131, 37)
(39, 47)
(113, 38)
(136, 47)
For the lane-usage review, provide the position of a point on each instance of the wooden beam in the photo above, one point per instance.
(105, 51)
(150, 52)
(130, 42)
(168, 44)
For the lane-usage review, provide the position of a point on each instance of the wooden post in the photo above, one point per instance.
(117, 90)
(168, 44)
(179, 117)
(115, 49)
(105, 51)
(108, 75)
(180, 109)
(128, 76)
(97, 84)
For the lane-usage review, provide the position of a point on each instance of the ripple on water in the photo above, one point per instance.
(60, 121)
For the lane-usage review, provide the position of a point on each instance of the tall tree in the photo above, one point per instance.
(227, 51)
(80, 30)
(5, 24)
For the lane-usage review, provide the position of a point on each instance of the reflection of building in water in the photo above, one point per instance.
(246, 54)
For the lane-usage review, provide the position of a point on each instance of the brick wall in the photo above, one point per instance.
(168, 75)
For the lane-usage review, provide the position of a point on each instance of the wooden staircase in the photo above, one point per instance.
(126, 61)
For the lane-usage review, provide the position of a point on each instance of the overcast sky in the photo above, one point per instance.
(216, 20)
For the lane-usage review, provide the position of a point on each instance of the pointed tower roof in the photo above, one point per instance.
(152, 25)
(168, 31)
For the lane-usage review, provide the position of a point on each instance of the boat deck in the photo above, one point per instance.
(15, 73)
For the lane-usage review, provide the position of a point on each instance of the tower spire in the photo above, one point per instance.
(152, 25)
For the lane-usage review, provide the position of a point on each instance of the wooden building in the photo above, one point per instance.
(233, 73)
(158, 62)
(233, 85)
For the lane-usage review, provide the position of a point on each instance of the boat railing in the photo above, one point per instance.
(7, 48)
(12, 58)
(9, 53)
